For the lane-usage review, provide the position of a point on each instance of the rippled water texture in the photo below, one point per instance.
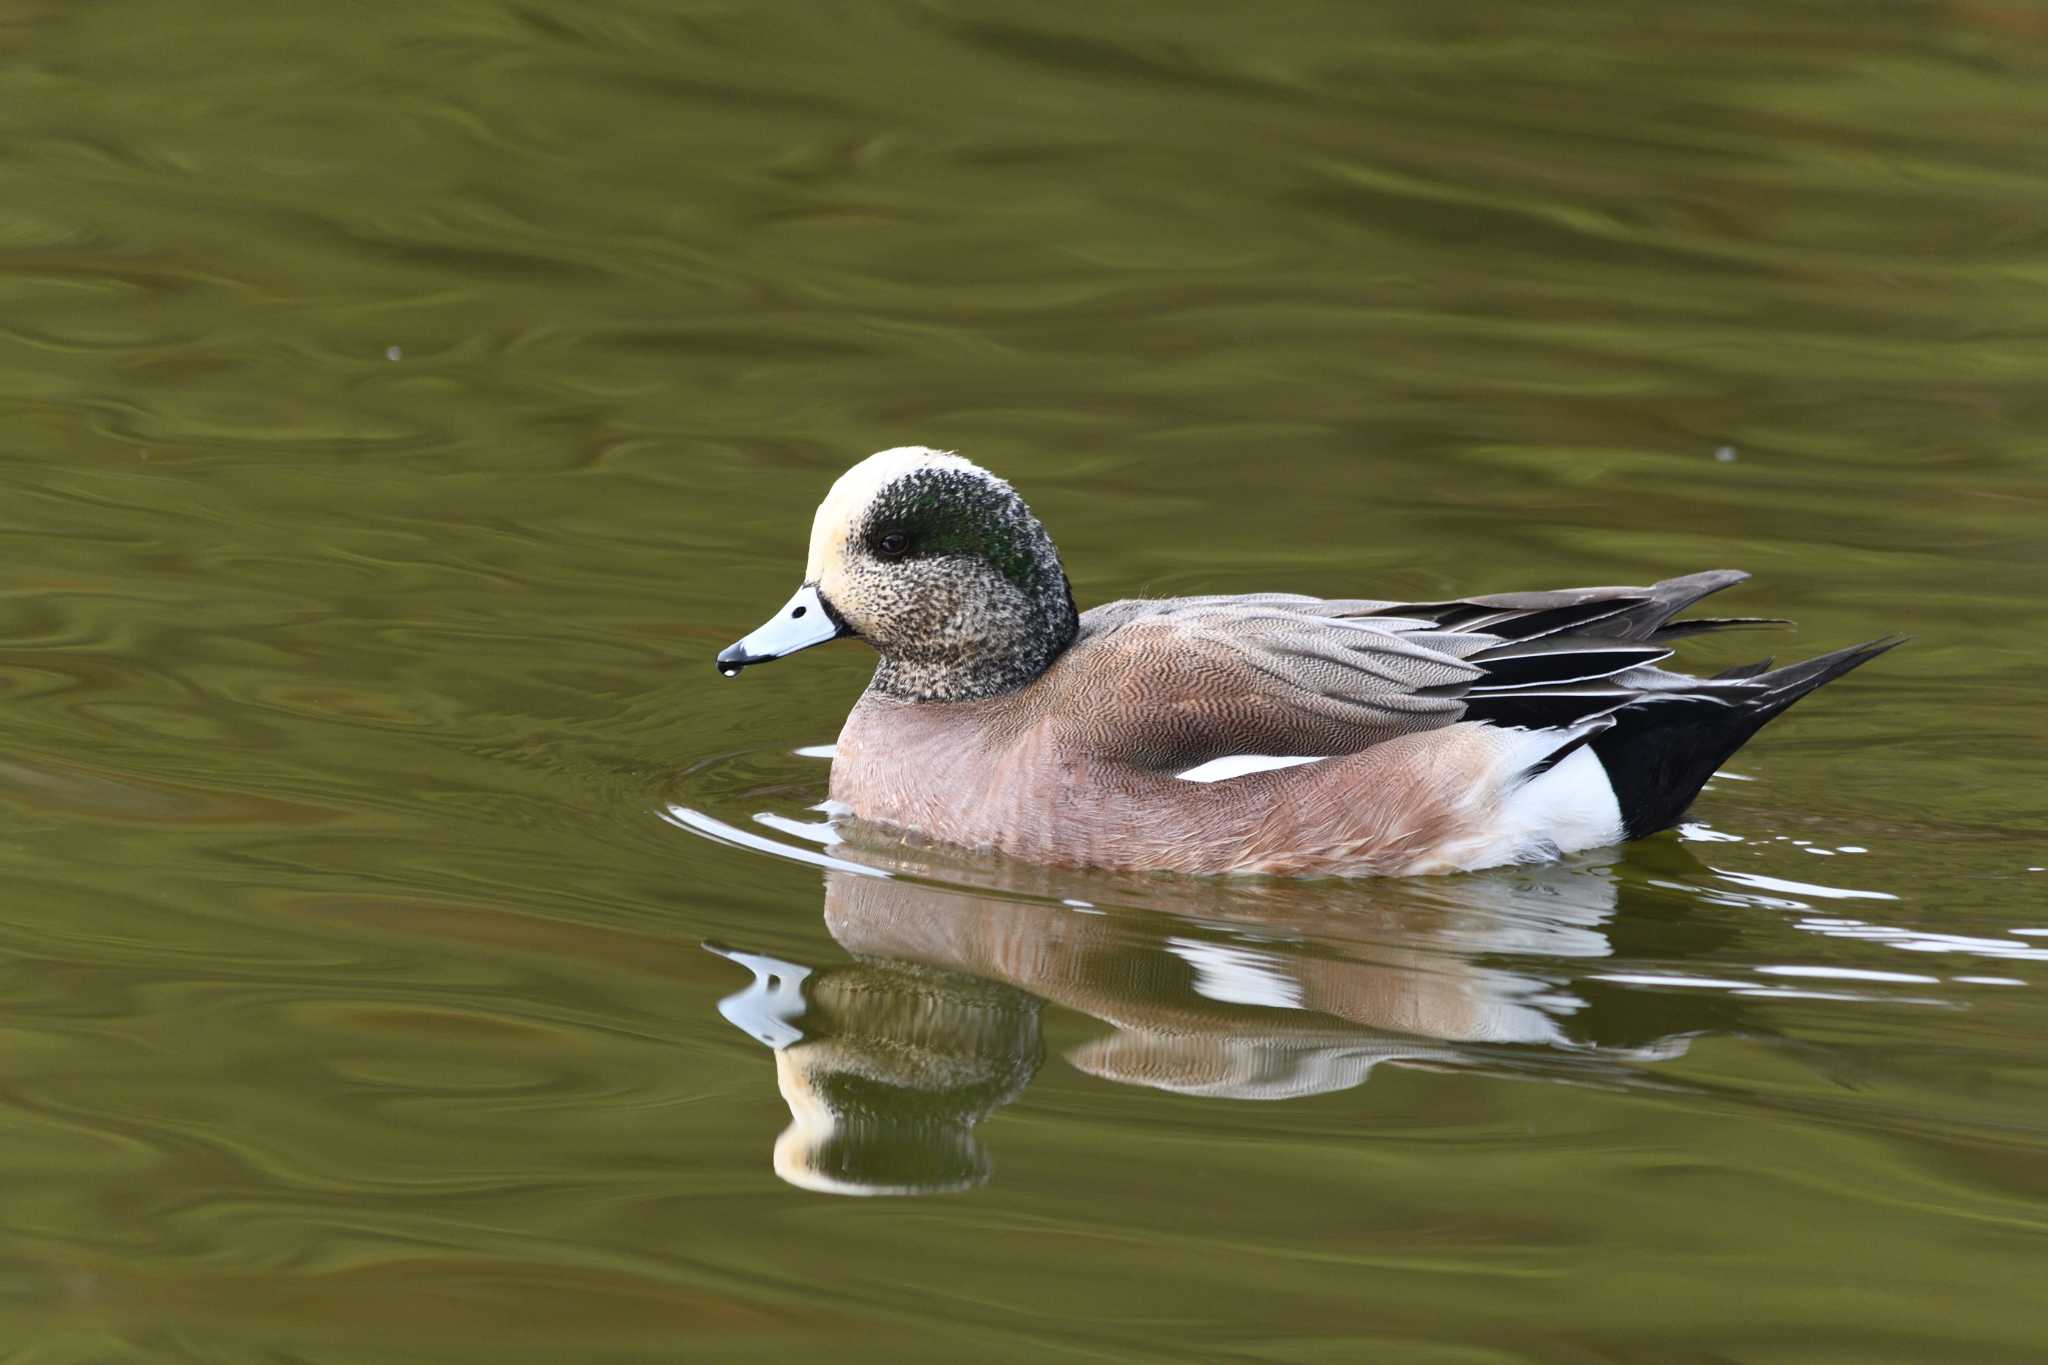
(402, 405)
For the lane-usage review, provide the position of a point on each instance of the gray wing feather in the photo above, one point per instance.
(1176, 682)
(1182, 681)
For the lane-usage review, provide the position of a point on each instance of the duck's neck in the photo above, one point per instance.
(977, 670)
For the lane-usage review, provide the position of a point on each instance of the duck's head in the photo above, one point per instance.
(941, 567)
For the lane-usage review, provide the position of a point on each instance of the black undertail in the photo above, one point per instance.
(1661, 750)
(1569, 659)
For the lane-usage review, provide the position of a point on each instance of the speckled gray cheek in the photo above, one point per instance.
(949, 629)
(981, 606)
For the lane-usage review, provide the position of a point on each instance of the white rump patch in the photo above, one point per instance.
(1239, 765)
(1568, 808)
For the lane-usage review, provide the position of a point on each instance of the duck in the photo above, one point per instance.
(1272, 734)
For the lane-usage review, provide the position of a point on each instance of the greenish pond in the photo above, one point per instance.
(402, 405)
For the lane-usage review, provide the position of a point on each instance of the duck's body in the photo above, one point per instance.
(1267, 733)
(1034, 790)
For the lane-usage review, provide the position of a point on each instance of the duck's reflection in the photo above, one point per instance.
(1257, 992)
(886, 1068)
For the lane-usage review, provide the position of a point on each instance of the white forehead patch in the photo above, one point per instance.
(860, 485)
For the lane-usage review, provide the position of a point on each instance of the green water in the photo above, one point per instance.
(402, 405)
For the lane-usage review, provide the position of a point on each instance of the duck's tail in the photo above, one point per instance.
(1664, 746)
(1578, 669)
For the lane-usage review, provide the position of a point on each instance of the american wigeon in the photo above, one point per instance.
(1268, 733)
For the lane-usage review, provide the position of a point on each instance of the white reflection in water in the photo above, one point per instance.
(1681, 982)
(1237, 976)
(1926, 940)
(816, 831)
(1767, 990)
(1790, 887)
(712, 827)
(1850, 974)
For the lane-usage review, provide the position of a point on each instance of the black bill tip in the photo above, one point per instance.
(733, 658)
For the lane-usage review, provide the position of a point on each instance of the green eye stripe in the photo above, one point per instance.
(945, 515)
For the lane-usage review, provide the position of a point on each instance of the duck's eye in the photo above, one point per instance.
(892, 545)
